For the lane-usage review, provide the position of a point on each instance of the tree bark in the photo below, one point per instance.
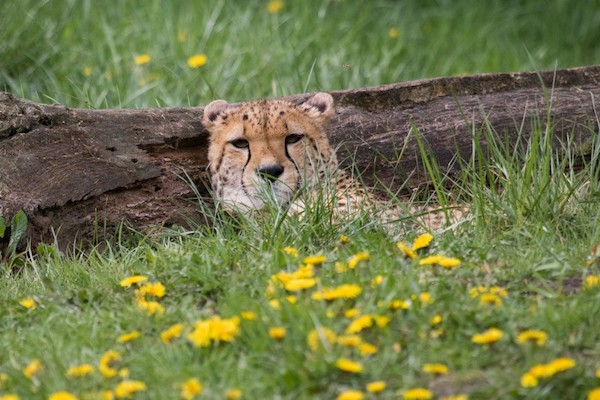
(78, 173)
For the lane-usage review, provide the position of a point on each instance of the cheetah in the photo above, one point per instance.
(270, 148)
(278, 150)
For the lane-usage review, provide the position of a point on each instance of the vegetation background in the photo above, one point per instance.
(527, 249)
(82, 53)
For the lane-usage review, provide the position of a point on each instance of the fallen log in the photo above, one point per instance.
(79, 172)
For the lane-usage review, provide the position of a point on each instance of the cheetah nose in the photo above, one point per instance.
(270, 172)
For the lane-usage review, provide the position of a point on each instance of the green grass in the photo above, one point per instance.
(535, 208)
(308, 46)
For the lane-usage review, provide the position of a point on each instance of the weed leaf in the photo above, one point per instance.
(18, 226)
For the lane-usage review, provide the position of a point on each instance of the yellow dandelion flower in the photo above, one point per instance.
(351, 313)
(443, 261)
(197, 60)
(80, 370)
(425, 298)
(132, 280)
(274, 6)
(344, 239)
(214, 329)
(290, 251)
(277, 332)
(127, 388)
(200, 336)
(151, 307)
(449, 262)
(9, 397)
(456, 397)
(591, 281)
(529, 380)
(400, 305)
(376, 386)
(561, 364)
(171, 333)
(128, 337)
(296, 285)
(190, 389)
(62, 396)
(356, 258)
(28, 303)
(492, 335)
(429, 260)
(393, 32)
(314, 260)
(417, 394)
(422, 241)
(281, 277)
(378, 280)
(305, 271)
(181, 36)
(87, 71)
(594, 394)
(291, 299)
(348, 365)
(538, 337)
(349, 340)
(366, 349)
(436, 320)
(329, 314)
(124, 373)
(351, 395)
(490, 299)
(408, 252)
(381, 320)
(347, 291)
(302, 273)
(33, 368)
(142, 59)
(436, 369)
(107, 361)
(360, 323)
(233, 394)
(225, 330)
(248, 315)
(321, 337)
(541, 371)
(155, 289)
(550, 369)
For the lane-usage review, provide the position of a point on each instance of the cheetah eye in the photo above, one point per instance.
(293, 138)
(240, 143)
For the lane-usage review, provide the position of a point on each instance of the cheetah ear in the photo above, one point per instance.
(320, 105)
(212, 111)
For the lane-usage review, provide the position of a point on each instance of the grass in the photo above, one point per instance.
(533, 223)
(82, 55)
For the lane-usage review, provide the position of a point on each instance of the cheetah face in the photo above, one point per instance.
(267, 149)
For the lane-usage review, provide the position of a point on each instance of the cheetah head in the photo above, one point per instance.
(268, 148)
